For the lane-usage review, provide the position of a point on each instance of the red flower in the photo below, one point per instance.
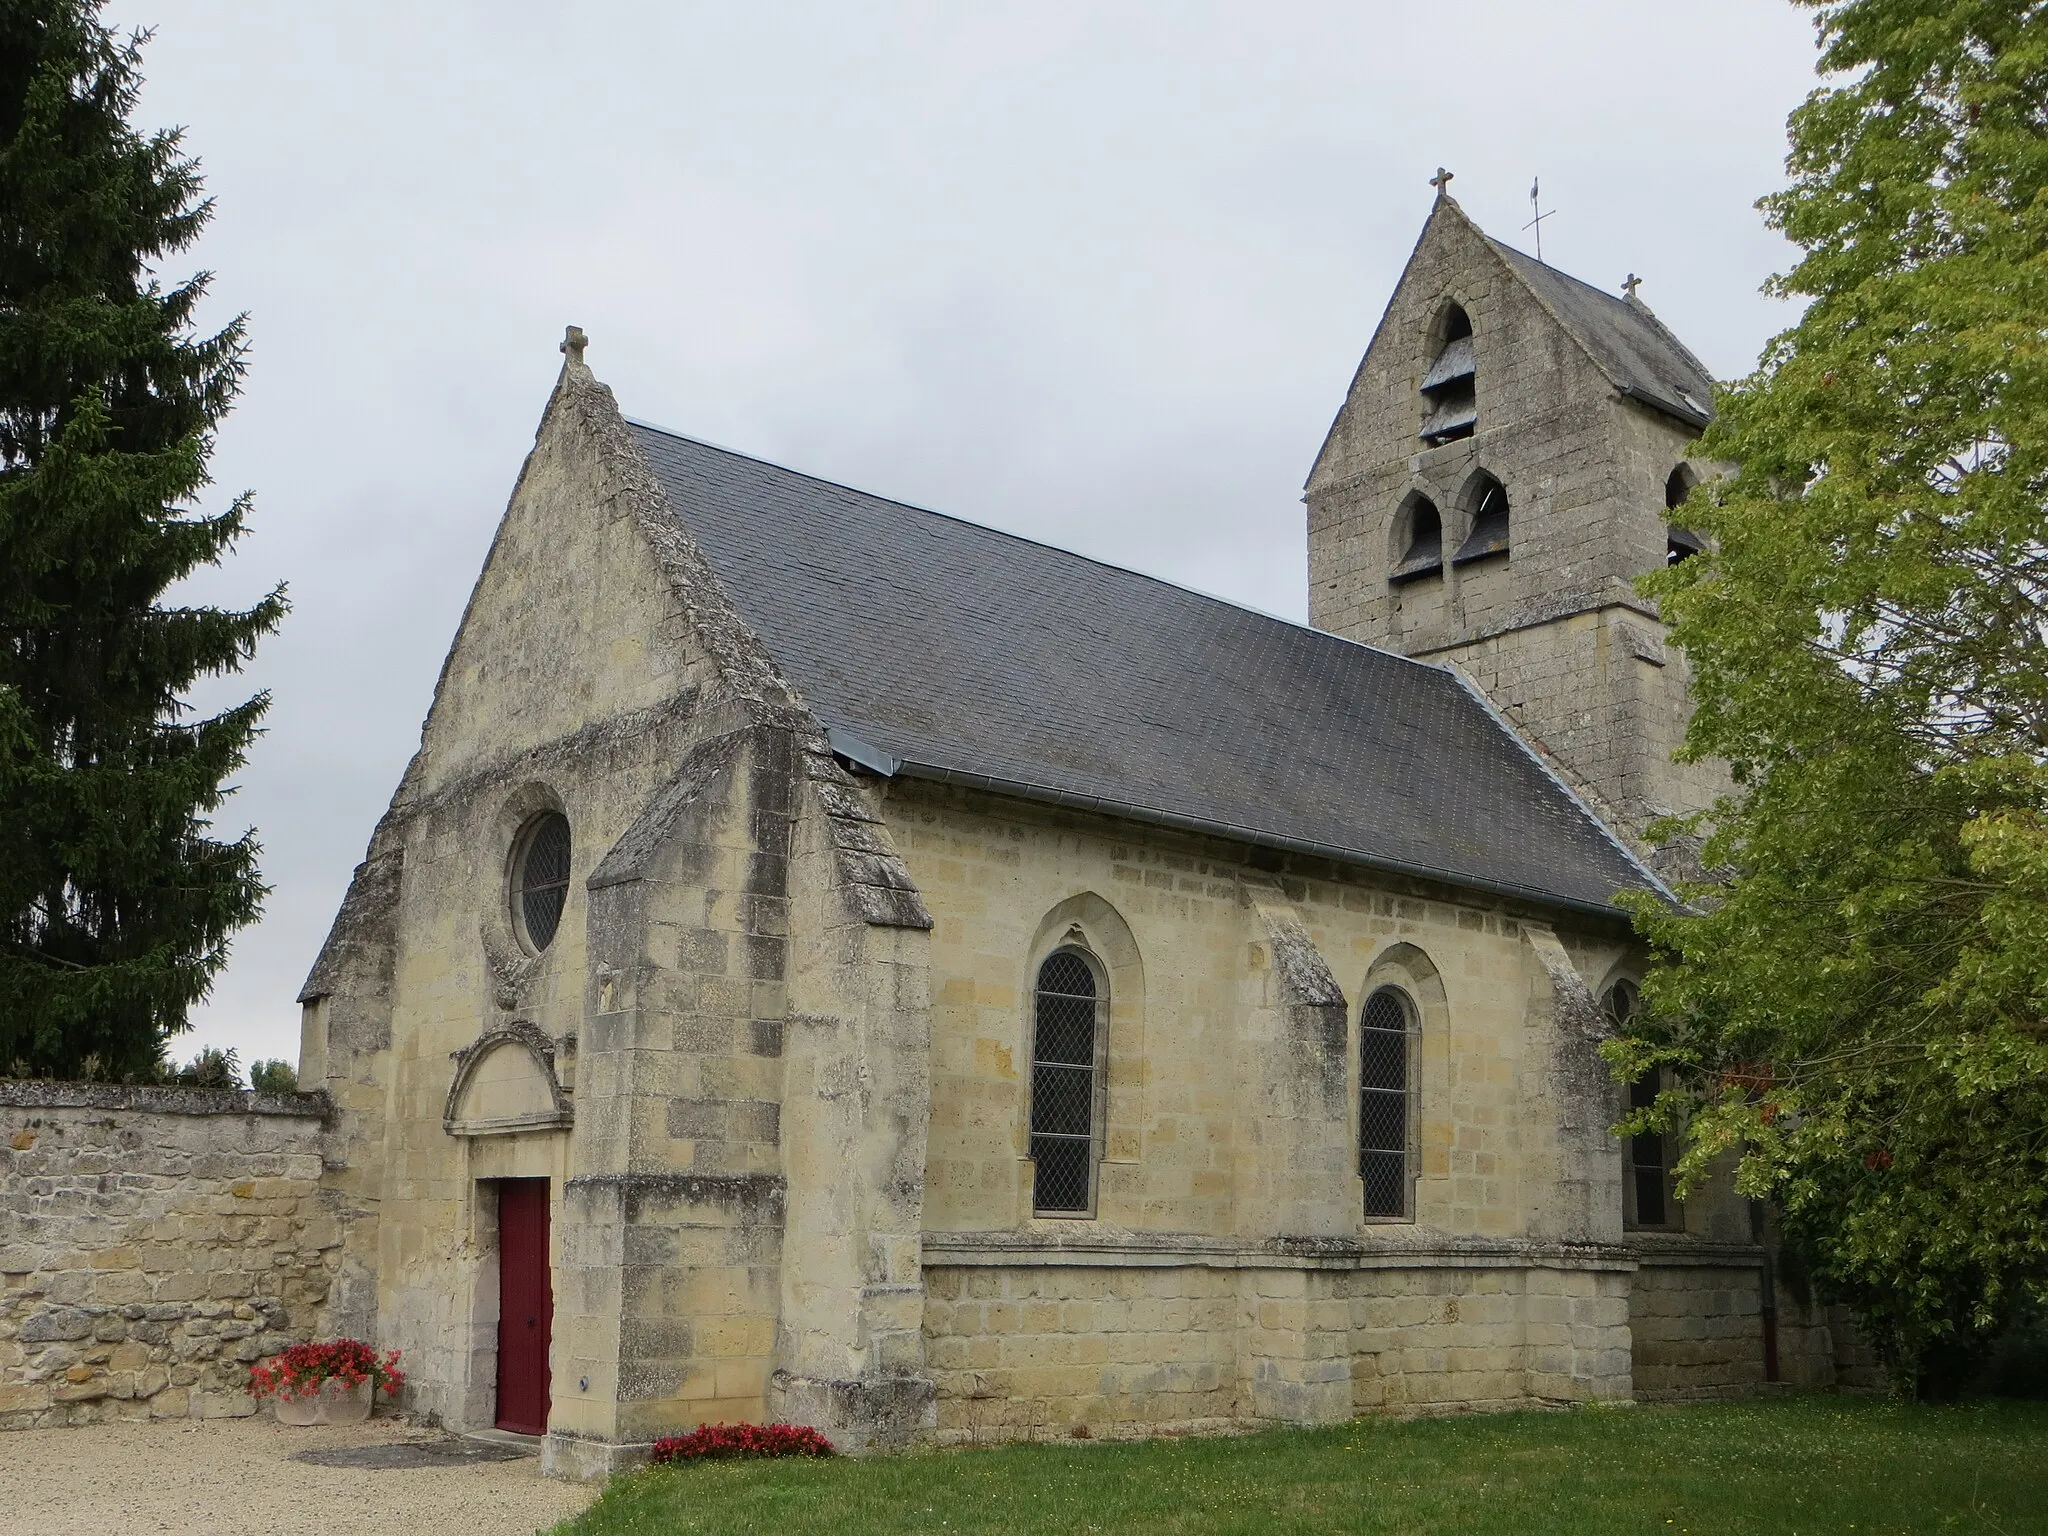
(300, 1370)
(720, 1440)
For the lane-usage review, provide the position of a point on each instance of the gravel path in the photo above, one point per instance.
(233, 1477)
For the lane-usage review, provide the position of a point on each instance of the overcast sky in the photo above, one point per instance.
(1093, 273)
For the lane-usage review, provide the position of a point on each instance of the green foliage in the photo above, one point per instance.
(115, 904)
(1859, 1009)
(274, 1077)
(1747, 1469)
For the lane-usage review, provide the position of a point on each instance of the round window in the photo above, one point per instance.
(540, 878)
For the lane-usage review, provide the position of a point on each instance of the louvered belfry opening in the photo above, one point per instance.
(1488, 499)
(1422, 540)
(1450, 402)
(1383, 1106)
(543, 877)
(1066, 1028)
(1679, 543)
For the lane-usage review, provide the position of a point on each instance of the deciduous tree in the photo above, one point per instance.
(1858, 1006)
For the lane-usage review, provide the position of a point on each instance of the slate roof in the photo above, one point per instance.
(1628, 343)
(979, 657)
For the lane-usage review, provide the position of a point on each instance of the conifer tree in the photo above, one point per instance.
(116, 905)
(1860, 1009)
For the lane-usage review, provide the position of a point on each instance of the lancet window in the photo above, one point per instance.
(1070, 1007)
(1647, 1198)
(1386, 1105)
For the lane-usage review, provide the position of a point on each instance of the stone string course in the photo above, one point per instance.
(154, 1243)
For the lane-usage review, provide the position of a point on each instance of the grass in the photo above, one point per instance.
(1797, 1464)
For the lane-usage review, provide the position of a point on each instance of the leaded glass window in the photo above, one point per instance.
(1068, 1007)
(1386, 1095)
(540, 878)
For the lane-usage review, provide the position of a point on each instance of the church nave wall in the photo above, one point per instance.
(1217, 1117)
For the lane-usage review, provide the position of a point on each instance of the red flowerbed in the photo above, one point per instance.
(300, 1370)
(716, 1440)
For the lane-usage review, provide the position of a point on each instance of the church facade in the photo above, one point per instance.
(832, 962)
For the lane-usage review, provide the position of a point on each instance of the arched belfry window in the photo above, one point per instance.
(540, 878)
(1420, 534)
(1070, 1005)
(1386, 1105)
(1488, 499)
(1679, 543)
(1450, 404)
(1647, 1199)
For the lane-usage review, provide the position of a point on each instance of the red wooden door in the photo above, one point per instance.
(526, 1305)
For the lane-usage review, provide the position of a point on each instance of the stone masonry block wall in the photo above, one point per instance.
(1033, 1352)
(1453, 1338)
(154, 1243)
(1028, 1351)
(1698, 1331)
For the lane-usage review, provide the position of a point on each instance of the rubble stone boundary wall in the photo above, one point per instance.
(153, 1243)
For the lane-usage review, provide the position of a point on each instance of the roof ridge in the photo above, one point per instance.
(1004, 533)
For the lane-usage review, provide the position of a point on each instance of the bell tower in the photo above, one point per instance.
(1501, 472)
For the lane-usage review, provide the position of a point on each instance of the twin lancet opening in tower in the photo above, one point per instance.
(1422, 530)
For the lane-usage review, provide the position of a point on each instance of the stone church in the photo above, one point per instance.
(829, 961)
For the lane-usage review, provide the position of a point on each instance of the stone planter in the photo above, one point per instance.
(335, 1403)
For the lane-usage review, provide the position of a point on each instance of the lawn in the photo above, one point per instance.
(1798, 1464)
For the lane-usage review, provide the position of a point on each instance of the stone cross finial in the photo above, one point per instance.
(1442, 182)
(1631, 284)
(573, 343)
